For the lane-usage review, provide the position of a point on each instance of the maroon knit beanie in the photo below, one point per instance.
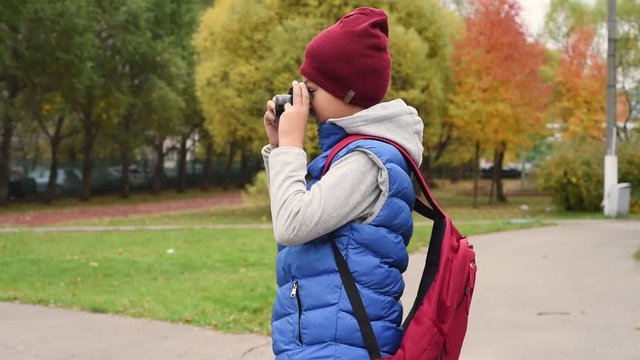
(350, 59)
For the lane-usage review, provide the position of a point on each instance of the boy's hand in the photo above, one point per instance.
(271, 125)
(293, 122)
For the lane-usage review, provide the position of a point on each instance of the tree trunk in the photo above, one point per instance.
(476, 174)
(90, 133)
(125, 157)
(494, 176)
(244, 169)
(425, 168)
(54, 141)
(206, 167)
(5, 158)
(227, 169)
(182, 164)
(158, 170)
(52, 186)
(501, 197)
(87, 169)
(456, 173)
(625, 126)
(443, 142)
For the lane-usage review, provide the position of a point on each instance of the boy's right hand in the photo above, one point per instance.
(271, 124)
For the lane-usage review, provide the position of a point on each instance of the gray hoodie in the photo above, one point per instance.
(354, 189)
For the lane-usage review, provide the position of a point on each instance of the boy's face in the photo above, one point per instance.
(325, 106)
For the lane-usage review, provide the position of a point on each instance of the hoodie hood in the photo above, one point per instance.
(393, 120)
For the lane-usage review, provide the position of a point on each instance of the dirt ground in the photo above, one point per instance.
(48, 217)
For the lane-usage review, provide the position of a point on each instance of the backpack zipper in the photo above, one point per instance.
(467, 290)
(467, 287)
(295, 294)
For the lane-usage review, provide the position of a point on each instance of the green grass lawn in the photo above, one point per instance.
(222, 279)
(217, 278)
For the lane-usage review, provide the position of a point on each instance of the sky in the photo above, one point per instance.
(533, 13)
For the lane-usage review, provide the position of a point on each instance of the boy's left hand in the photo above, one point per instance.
(293, 122)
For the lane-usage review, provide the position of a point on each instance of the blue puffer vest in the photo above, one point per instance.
(312, 317)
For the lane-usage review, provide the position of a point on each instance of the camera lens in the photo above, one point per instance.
(281, 100)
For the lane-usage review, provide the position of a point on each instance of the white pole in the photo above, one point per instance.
(610, 200)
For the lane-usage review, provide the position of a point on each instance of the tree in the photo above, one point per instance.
(245, 57)
(499, 93)
(114, 68)
(193, 121)
(580, 85)
(150, 71)
(174, 24)
(13, 56)
(55, 83)
(139, 62)
(628, 56)
(104, 96)
(566, 16)
(569, 21)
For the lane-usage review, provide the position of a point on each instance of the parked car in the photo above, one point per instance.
(68, 180)
(137, 176)
(104, 181)
(109, 179)
(20, 185)
(507, 173)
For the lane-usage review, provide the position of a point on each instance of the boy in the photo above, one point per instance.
(363, 203)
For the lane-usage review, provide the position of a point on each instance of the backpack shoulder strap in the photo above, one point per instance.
(431, 209)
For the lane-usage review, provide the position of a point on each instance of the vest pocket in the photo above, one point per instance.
(295, 293)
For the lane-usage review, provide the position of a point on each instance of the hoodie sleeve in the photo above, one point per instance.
(266, 152)
(355, 188)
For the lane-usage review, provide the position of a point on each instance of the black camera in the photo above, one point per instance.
(281, 100)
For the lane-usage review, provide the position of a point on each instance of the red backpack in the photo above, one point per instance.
(437, 322)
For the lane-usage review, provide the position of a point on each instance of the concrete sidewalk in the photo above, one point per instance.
(562, 292)
(39, 333)
(565, 292)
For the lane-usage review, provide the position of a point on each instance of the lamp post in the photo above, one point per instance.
(610, 200)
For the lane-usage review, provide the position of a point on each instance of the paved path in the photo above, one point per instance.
(41, 333)
(566, 292)
(563, 292)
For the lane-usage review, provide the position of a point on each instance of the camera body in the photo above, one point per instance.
(281, 100)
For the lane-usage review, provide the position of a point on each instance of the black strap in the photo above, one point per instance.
(430, 209)
(423, 209)
(432, 263)
(370, 342)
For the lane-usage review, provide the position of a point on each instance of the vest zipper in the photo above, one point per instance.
(295, 294)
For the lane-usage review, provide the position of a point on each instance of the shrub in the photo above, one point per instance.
(575, 175)
(629, 170)
(256, 195)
